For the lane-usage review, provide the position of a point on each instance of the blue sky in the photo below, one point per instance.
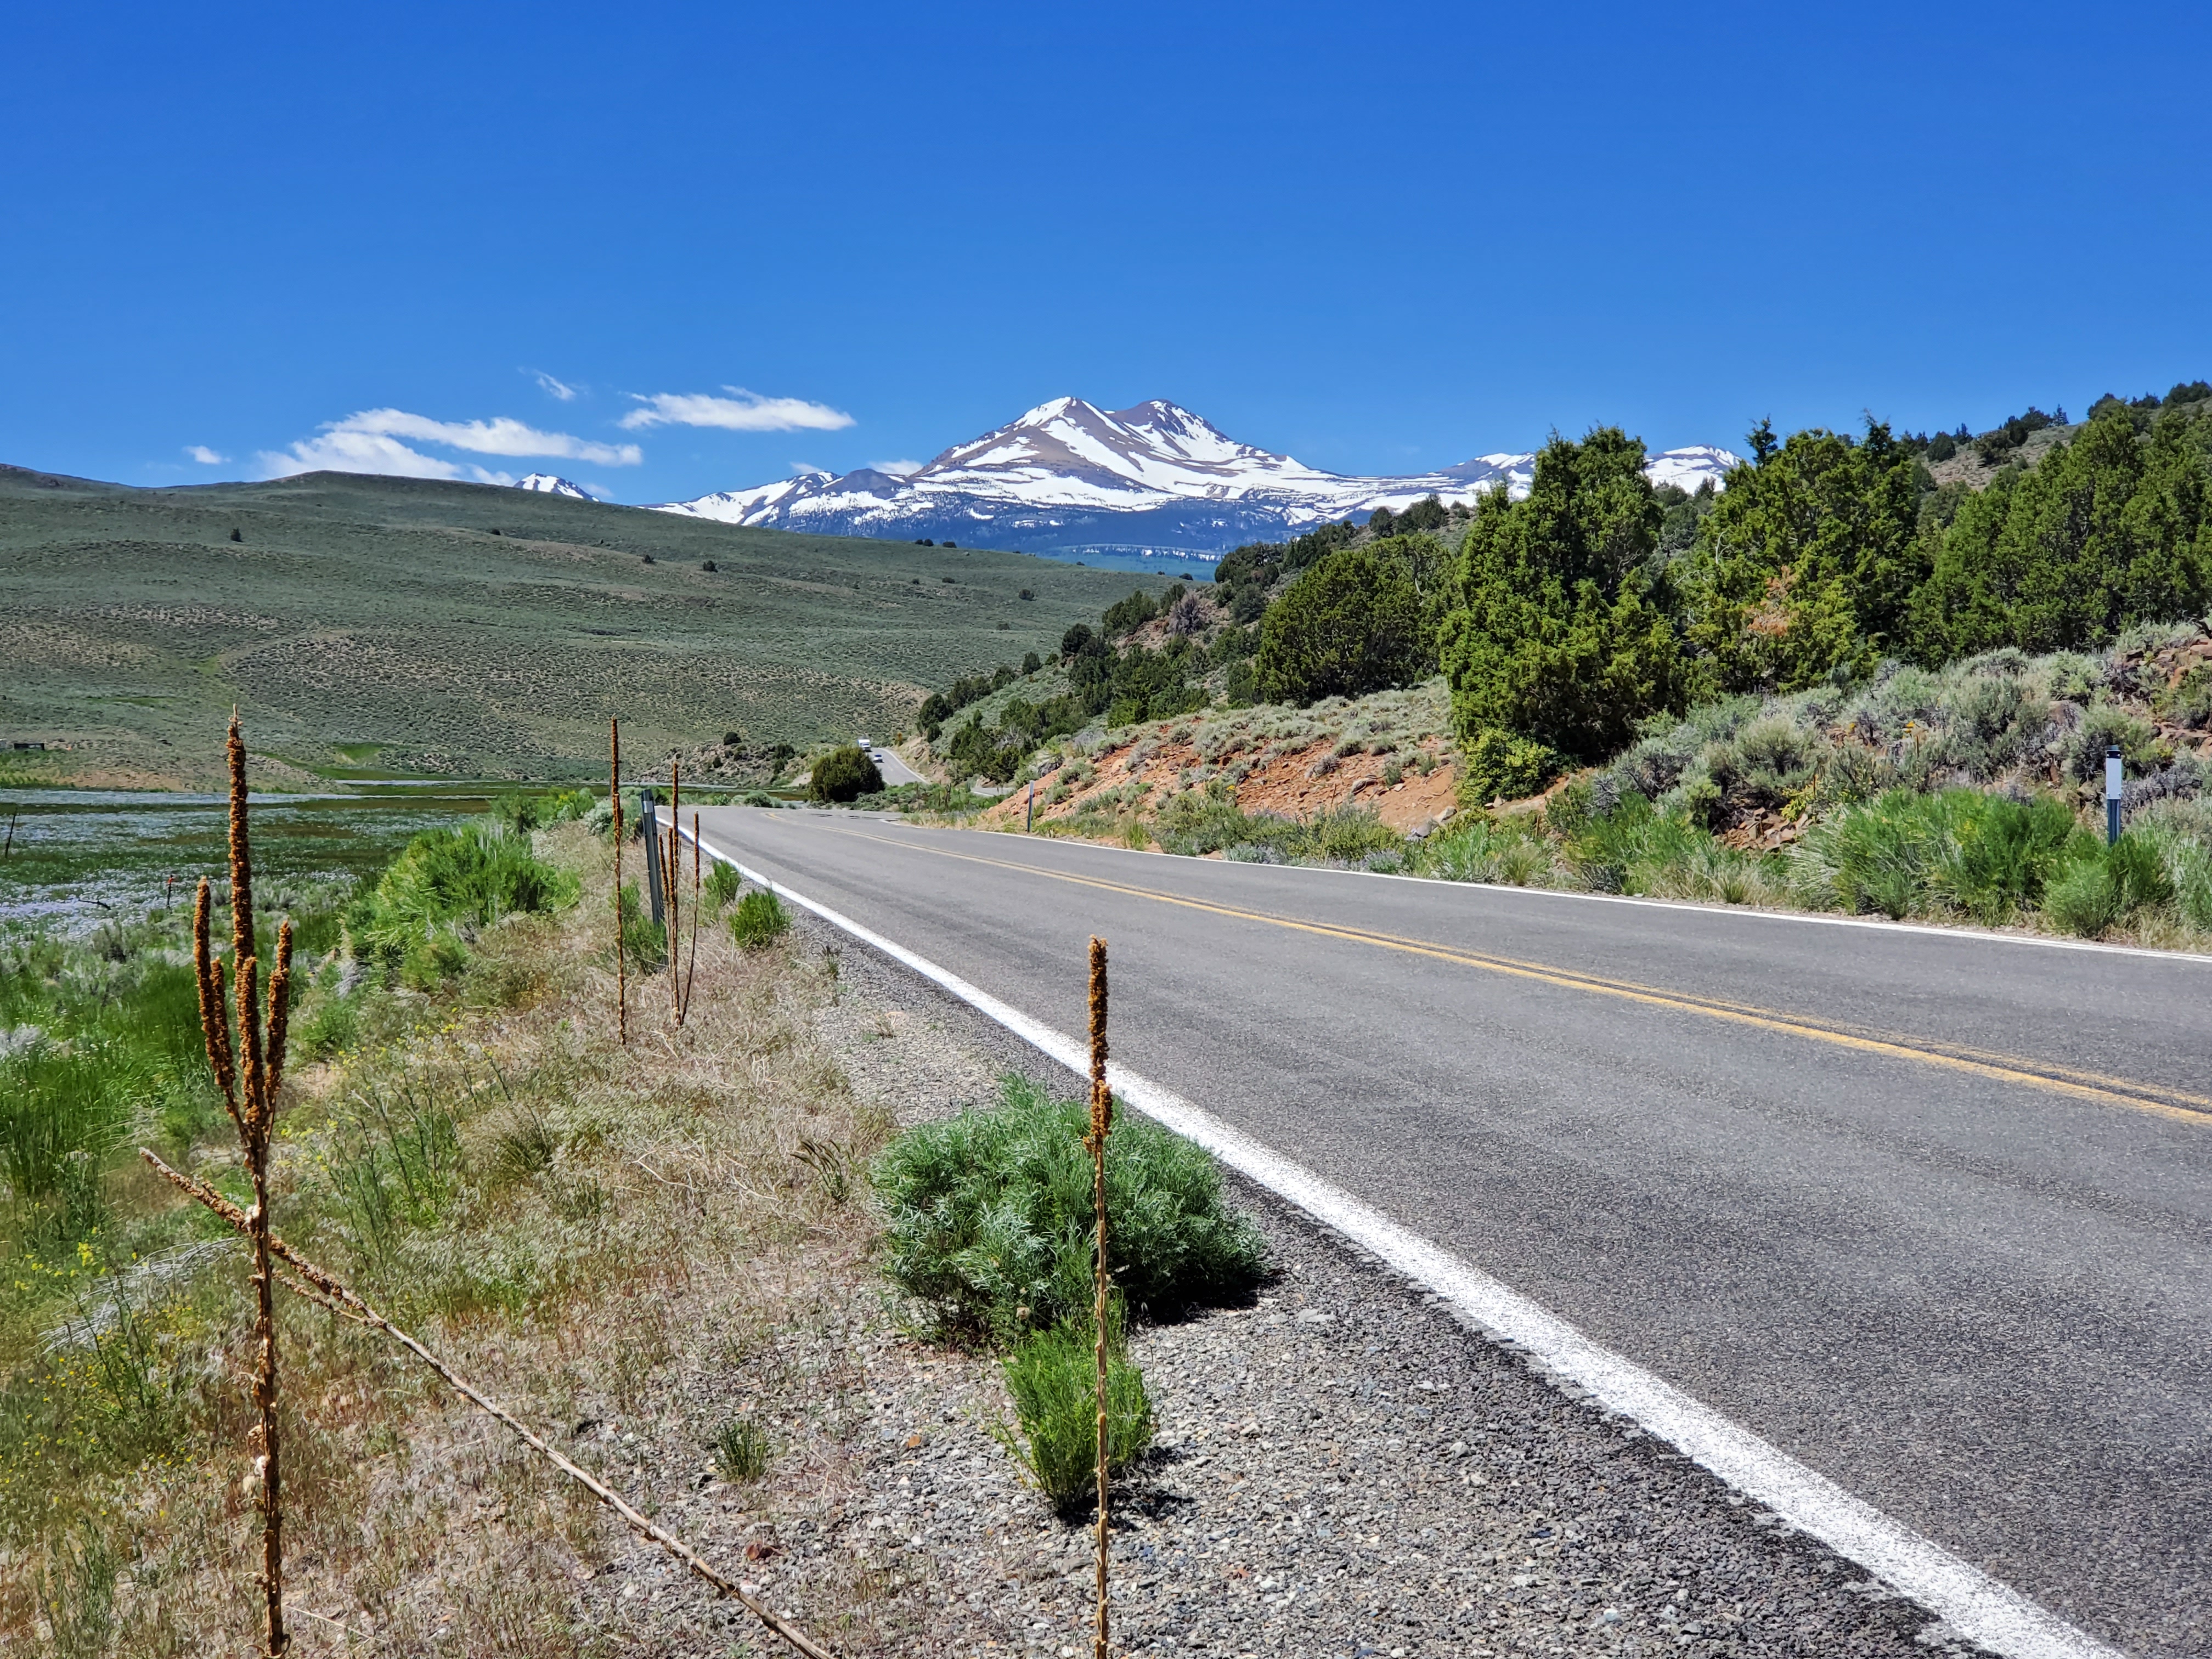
(1380, 238)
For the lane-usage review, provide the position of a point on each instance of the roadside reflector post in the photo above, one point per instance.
(2112, 792)
(649, 826)
(1029, 820)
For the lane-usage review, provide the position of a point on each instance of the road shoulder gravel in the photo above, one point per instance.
(1342, 1468)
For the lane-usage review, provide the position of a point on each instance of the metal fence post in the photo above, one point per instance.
(2113, 791)
(649, 826)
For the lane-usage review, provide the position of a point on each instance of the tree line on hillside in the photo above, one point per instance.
(1565, 620)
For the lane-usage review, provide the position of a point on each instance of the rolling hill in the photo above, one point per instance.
(392, 626)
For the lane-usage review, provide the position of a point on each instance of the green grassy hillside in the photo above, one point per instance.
(394, 625)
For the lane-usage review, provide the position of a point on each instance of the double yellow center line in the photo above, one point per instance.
(2156, 1098)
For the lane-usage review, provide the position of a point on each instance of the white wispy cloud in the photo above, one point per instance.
(899, 468)
(499, 436)
(205, 456)
(551, 388)
(741, 411)
(336, 451)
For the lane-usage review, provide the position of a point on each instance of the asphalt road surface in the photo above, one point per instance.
(1927, 1211)
(895, 770)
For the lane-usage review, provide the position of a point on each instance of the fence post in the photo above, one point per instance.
(649, 825)
(2113, 791)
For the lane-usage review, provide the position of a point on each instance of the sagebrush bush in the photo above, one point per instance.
(1054, 1379)
(989, 1217)
(760, 920)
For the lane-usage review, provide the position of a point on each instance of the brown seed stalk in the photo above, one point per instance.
(672, 871)
(692, 967)
(1102, 1120)
(249, 1093)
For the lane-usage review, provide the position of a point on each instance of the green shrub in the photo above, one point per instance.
(333, 1024)
(2188, 700)
(1350, 835)
(844, 774)
(65, 1108)
(417, 923)
(1902, 853)
(723, 884)
(990, 1216)
(2106, 887)
(1498, 765)
(1054, 1379)
(519, 814)
(760, 920)
(1350, 625)
(1479, 849)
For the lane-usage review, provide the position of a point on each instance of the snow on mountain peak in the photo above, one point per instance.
(546, 483)
(1068, 475)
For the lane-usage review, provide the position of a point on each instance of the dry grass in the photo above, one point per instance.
(623, 1244)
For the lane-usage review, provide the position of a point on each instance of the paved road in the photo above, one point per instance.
(895, 770)
(1928, 1212)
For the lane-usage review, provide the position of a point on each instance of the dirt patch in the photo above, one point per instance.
(1141, 768)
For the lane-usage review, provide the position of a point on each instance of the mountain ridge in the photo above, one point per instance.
(1068, 478)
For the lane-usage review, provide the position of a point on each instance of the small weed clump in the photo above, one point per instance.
(723, 884)
(990, 1217)
(742, 1451)
(1052, 1378)
(760, 920)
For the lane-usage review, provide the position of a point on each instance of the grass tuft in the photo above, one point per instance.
(760, 920)
(1053, 1378)
(742, 1451)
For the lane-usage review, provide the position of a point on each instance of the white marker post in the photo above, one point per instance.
(2112, 792)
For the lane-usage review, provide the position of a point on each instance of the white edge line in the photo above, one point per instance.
(1976, 1606)
(1743, 912)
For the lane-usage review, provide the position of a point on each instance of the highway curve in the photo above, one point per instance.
(1927, 1210)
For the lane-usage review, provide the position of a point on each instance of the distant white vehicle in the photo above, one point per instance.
(866, 743)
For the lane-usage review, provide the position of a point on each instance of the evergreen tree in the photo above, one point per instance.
(2109, 531)
(1351, 624)
(1556, 636)
(1808, 561)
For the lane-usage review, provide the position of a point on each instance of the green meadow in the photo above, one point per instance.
(393, 627)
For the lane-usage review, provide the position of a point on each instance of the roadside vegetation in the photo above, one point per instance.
(586, 1229)
(988, 1229)
(1877, 673)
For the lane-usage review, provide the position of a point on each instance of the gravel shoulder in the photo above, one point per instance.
(1341, 1468)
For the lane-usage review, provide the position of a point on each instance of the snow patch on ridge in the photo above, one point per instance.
(1068, 475)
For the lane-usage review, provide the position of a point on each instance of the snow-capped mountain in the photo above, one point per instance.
(546, 483)
(1068, 477)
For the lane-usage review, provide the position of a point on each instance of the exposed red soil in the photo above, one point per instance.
(1297, 785)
